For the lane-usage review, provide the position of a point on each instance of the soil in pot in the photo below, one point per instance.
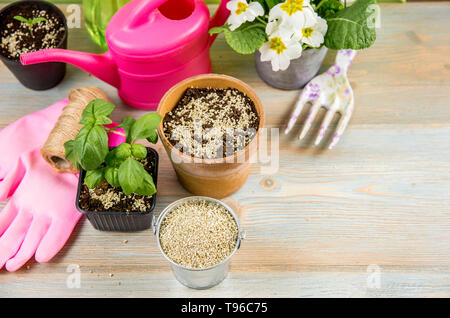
(18, 38)
(106, 198)
(211, 123)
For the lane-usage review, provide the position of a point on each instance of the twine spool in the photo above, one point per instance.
(67, 127)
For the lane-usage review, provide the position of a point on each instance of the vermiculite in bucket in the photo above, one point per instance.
(198, 235)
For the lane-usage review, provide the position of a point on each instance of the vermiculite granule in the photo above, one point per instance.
(198, 234)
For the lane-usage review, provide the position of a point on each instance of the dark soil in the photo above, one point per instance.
(126, 203)
(17, 38)
(215, 109)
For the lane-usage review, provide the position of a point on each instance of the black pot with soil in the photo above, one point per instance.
(109, 209)
(28, 26)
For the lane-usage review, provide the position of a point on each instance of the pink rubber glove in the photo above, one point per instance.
(26, 134)
(41, 212)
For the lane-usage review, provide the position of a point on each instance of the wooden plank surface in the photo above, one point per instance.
(381, 197)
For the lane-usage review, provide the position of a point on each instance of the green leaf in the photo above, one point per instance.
(220, 29)
(139, 151)
(145, 127)
(70, 153)
(153, 138)
(112, 176)
(327, 8)
(21, 19)
(36, 20)
(126, 125)
(97, 111)
(148, 186)
(112, 160)
(247, 38)
(94, 177)
(123, 151)
(349, 29)
(272, 3)
(131, 176)
(91, 146)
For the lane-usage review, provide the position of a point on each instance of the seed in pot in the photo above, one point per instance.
(198, 234)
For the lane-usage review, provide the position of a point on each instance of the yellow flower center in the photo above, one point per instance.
(307, 32)
(277, 45)
(241, 7)
(292, 6)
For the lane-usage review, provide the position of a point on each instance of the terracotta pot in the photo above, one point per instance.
(217, 178)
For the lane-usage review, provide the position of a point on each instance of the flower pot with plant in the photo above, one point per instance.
(117, 187)
(290, 37)
(28, 26)
(210, 130)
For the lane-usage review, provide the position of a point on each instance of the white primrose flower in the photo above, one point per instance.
(291, 15)
(241, 11)
(314, 35)
(280, 50)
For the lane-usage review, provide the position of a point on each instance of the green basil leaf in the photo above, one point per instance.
(126, 124)
(247, 38)
(70, 154)
(145, 126)
(139, 151)
(21, 19)
(112, 160)
(112, 176)
(153, 138)
(130, 175)
(123, 151)
(97, 111)
(349, 27)
(36, 20)
(147, 187)
(94, 177)
(91, 145)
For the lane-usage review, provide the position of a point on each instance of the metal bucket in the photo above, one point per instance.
(297, 75)
(199, 278)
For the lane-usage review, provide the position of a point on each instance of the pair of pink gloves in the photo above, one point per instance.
(40, 214)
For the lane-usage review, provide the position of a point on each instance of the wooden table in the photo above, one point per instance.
(381, 197)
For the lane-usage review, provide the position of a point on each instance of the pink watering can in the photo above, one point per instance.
(153, 44)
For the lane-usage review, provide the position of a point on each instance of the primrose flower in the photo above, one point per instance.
(241, 11)
(280, 50)
(291, 15)
(314, 35)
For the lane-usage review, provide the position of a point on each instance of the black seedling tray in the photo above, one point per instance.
(121, 221)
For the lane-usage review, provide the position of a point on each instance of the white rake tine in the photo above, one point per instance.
(297, 111)
(341, 126)
(325, 123)
(309, 120)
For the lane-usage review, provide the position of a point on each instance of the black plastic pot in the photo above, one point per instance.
(38, 76)
(121, 221)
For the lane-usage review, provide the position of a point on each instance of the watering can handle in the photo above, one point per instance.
(219, 18)
(143, 10)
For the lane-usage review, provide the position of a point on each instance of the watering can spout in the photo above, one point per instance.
(101, 66)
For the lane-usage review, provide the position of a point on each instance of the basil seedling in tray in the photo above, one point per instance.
(29, 22)
(121, 166)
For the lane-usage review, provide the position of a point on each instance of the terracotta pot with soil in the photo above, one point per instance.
(109, 209)
(210, 131)
(27, 26)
